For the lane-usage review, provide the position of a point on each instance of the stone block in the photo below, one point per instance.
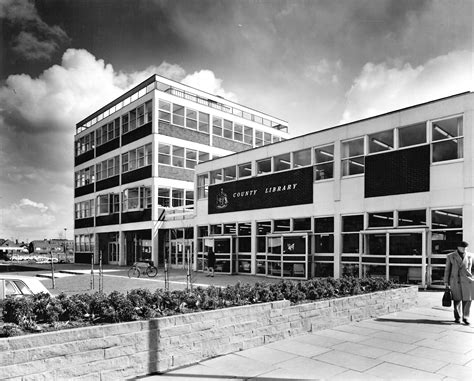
(46, 376)
(175, 331)
(119, 374)
(119, 351)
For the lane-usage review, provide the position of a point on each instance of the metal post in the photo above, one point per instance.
(52, 269)
(189, 281)
(92, 271)
(167, 285)
(65, 245)
(101, 273)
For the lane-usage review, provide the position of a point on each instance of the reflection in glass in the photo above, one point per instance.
(405, 244)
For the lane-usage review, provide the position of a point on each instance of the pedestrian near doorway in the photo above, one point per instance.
(211, 261)
(458, 278)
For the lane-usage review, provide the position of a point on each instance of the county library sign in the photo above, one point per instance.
(270, 191)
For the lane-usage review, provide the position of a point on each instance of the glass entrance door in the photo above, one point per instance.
(113, 253)
(223, 247)
(287, 256)
(399, 255)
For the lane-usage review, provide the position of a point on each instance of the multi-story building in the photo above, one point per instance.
(134, 168)
(386, 196)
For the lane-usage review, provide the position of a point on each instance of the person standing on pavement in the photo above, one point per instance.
(458, 278)
(211, 262)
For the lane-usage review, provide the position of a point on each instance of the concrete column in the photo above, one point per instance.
(337, 244)
(122, 255)
(195, 247)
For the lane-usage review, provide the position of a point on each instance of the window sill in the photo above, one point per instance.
(444, 162)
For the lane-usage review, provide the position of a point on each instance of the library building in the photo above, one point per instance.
(387, 196)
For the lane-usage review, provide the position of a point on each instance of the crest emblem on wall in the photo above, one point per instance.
(222, 200)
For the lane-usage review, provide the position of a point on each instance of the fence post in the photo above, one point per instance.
(52, 269)
(167, 285)
(92, 271)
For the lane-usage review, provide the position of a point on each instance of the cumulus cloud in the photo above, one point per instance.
(382, 87)
(324, 71)
(37, 40)
(206, 80)
(27, 215)
(38, 117)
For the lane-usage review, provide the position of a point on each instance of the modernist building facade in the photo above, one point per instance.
(387, 196)
(134, 168)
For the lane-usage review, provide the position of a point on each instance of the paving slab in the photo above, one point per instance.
(298, 348)
(398, 337)
(266, 355)
(440, 355)
(355, 376)
(319, 340)
(302, 366)
(389, 371)
(348, 360)
(457, 371)
(333, 333)
(412, 360)
(389, 345)
(360, 349)
(240, 366)
(357, 330)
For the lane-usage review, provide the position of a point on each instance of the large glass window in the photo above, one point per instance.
(238, 132)
(203, 122)
(134, 159)
(164, 154)
(191, 118)
(282, 225)
(230, 173)
(164, 197)
(300, 224)
(446, 226)
(351, 226)
(263, 228)
(264, 166)
(178, 156)
(177, 197)
(412, 135)
(282, 162)
(164, 111)
(248, 135)
(227, 129)
(383, 219)
(216, 176)
(412, 217)
(447, 139)
(353, 161)
(136, 198)
(324, 235)
(203, 183)
(217, 126)
(191, 158)
(324, 158)
(302, 158)
(381, 141)
(245, 170)
(178, 115)
(102, 204)
(258, 138)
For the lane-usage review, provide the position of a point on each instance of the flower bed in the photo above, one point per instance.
(44, 313)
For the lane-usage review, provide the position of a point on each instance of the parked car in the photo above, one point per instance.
(19, 285)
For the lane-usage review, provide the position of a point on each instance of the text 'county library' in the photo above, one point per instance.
(386, 196)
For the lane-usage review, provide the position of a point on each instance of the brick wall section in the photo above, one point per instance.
(120, 351)
(230, 145)
(175, 173)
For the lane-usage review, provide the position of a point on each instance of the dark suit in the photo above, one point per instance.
(458, 274)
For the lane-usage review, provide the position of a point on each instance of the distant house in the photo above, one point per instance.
(47, 246)
(8, 247)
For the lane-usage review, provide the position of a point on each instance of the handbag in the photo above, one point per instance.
(447, 297)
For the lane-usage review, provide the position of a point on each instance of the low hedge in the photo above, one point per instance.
(43, 312)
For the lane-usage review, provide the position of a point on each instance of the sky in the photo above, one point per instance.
(315, 64)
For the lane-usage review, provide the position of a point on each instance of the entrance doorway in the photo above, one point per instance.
(113, 253)
(223, 247)
(395, 254)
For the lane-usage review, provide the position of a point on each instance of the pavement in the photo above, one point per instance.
(421, 343)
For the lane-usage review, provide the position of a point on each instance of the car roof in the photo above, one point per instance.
(33, 283)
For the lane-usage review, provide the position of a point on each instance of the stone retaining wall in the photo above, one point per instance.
(118, 351)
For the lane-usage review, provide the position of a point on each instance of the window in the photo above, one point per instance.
(189, 197)
(412, 135)
(140, 115)
(164, 197)
(191, 118)
(216, 176)
(258, 138)
(164, 154)
(230, 173)
(381, 141)
(203, 156)
(353, 157)
(302, 158)
(84, 209)
(191, 158)
(227, 129)
(248, 135)
(267, 138)
(103, 204)
(114, 203)
(84, 144)
(178, 115)
(177, 197)
(264, 166)
(244, 243)
(149, 111)
(84, 177)
(447, 139)
(136, 158)
(301, 224)
(202, 185)
(203, 122)
(124, 124)
(282, 162)
(412, 217)
(245, 170)
(178, 156)
(446, 226)
(133, 119)
(217, 126)
(351, 226)
(324, 158)
(282, 225)
(324, 235)
(263, 228)
(164, 111)
(238, 132)
(136, 199)
(382, 219)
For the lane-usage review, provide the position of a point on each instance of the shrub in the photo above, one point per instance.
(81, 309)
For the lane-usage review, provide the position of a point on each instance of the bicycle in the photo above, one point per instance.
(139, 267)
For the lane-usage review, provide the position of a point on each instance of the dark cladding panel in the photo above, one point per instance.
(86, 189)
(83, 257)
(107, 147)
(107, 183)
(138, 174)
(84, 223)
(271, 191)
(398, 172)
(138, 216)
(110, 219)
(136, 134)
(86, 156)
